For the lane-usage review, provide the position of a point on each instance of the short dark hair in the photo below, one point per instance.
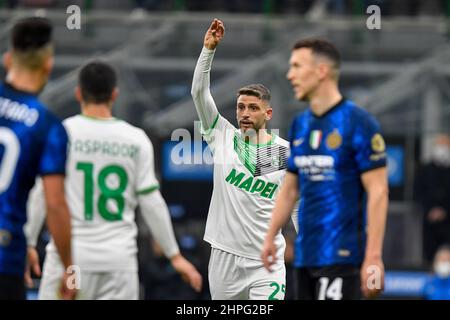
(443, 247)
(257, 90)
(31, 33)
(321, 47)
(31, 42)
(97, 81)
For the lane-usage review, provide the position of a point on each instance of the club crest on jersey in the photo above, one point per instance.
(5, 238)
(377, 142)
(334, 140)
(315, 137)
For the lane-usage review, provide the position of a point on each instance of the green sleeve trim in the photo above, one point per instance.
(148, 190)
(207, 132)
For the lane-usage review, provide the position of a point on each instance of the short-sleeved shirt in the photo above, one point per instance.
(329, 153)
(247, 178)
(110, 164)
(32, 142)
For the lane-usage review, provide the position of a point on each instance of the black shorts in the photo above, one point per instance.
(335, 282)
(12, 287)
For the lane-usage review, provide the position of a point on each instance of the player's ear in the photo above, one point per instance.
(48, 65)
(78, 94)
(7, 60)
(268, 113)
(324, 70)
(114, 94)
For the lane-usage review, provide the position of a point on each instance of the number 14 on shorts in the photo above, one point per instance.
(331, 290)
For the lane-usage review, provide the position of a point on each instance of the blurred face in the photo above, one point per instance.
(304, 73)
(441, 150)
(252, 113)
(442, 263)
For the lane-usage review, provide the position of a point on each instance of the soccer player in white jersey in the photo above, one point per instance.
(249, 165)
(110, 171)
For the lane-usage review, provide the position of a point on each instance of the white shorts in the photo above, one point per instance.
(232, 277)
(116, 285)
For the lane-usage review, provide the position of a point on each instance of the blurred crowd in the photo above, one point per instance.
(432, 195)
(337, 7)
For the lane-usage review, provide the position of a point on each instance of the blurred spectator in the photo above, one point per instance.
(249, 6)
(438, 286)
(150, 5)
(293, 6)
(34, 3)
(433, 193)
(336, 6)
(158, 277)
(432, 7)
(380, 3)
(11, 4)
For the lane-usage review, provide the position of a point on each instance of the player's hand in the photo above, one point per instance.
(187, 271)
(67, 289)
(372, 277)
(214, 34)
(269, 253)
(32, 265)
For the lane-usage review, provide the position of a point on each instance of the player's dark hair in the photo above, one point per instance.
(31, 34)
(97, 81)
(321, 47)
(444, 247)
(256, 90)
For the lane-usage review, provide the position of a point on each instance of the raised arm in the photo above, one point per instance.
(204, 102)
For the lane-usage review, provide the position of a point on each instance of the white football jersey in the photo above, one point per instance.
(247, 179)
(110, 162)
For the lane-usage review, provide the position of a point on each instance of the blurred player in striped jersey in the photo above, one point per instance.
(110, 171)
(249, 165)
(338, 166)
(32, 142)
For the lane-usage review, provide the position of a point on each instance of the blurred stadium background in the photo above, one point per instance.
(400, 73)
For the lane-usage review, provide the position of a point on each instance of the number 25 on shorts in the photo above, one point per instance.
(277, 289)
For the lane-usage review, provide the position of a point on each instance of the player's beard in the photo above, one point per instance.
(303, 93)
(306, 95)
(303, 96)
(251, 130)
(245, 127)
